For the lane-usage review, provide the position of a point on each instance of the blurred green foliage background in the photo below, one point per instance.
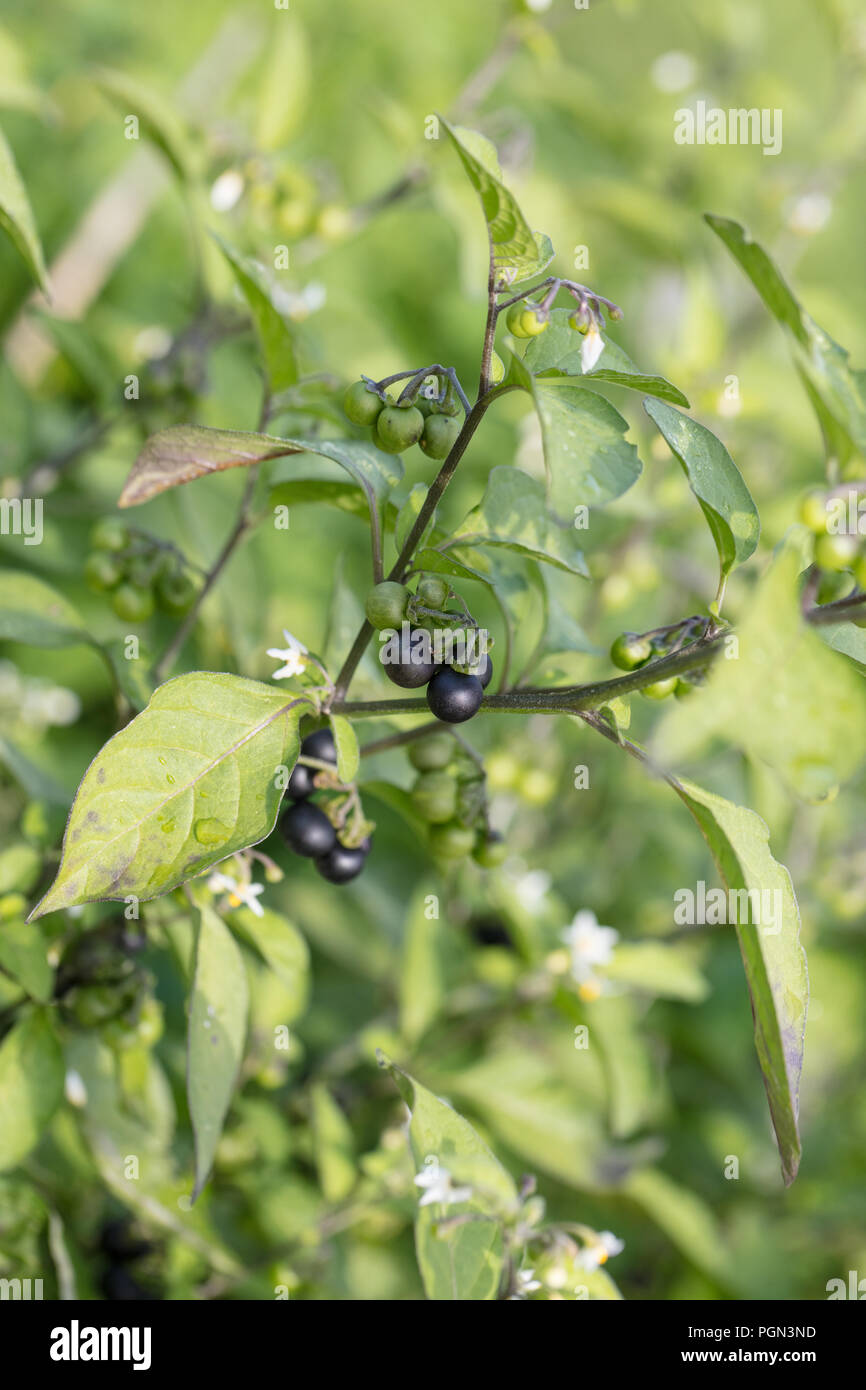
(314, 128)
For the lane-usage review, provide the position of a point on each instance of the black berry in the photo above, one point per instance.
(320, 745)
(341, 864)
(307, 830)
(485, 675)
(300, 784)
(412, 673)
(453, 697)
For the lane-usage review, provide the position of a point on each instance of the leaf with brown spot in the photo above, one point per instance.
(185, 784)
(184, 452)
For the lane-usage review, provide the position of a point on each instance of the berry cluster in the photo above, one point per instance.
(839, 554)
(454, 692)
(527, 318)
(631, 650)
(101, 985)
(306, 828)
(449, 795)
(425, 413)
(140, 574)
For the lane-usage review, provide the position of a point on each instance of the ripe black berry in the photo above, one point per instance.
(341, 864)
(453, 697)
(485, 675)
(410, 674)
(489, 931)
(320, 745)
(307, 830)
(300, 784)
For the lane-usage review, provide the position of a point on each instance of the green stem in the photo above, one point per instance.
(564, 699)
(431, 501)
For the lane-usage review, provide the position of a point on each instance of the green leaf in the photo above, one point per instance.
(774, 960)
(408, 515)
(348, 753)
(516, 252)
(716, 482)
(333, 1146)
(556, 352)
(535, 1111)
(185, 452)
(561, 636)
(282, 947)
(182, 453)
(34, 613)
(422, 973)
(16, 216)
(283, 81)
(587, 459)
(217, 1029)
(23, 953)
(158, 120)
(632, 1080)
(837, 392)
(275, 335)
(185, 784)
(20, 866)
(463, 1262)
(772, 698)
(38, 784)
(686, 1220)
(133, 674)
(300, 492)
(31, 1085)
(847, 638)
(513, 514)
(666, 972)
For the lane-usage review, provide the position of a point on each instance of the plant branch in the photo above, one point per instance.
(401, 564)
(565, 699)
(241, 526)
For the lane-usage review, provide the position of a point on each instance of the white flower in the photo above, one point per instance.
(591, 348)
(75, 1089)
(531, 889)
(293, 656)
(226, 190)
(526, 1283)
(600, 1251)
(239, 894)
(439, 1188)
(590, 945)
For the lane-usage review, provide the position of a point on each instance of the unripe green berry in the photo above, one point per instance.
(813, 511)
(440, 432)
(432, 591)
(432, 752)
(836, 552)
(175, 593)
(102, 571)
(385, 604)
(490, 850)
(434, 797)
(362, 406)
(452, 841)
(109, 534)
(514, 320)
(398, 427)
(132, 604)
(630, 651)
(659, 690)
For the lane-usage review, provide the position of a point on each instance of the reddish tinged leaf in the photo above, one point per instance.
(184, 452)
